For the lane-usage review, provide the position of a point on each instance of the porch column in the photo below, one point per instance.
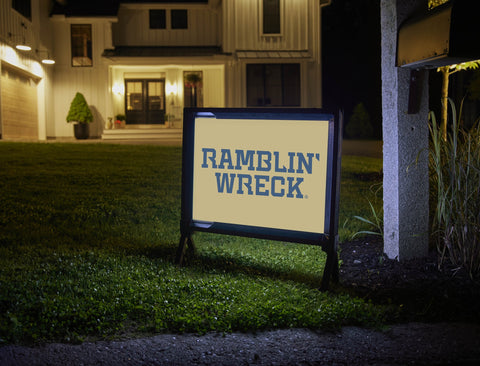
(405, 137)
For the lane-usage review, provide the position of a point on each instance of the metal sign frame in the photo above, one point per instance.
(328, 240)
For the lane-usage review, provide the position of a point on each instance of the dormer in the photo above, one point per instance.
(168, 23)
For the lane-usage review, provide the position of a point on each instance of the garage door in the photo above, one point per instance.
(18, 105)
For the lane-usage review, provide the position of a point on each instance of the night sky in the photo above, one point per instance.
(351, 58)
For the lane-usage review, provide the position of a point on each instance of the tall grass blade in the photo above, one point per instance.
(455, 182)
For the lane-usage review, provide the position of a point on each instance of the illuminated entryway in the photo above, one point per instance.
(145, 101)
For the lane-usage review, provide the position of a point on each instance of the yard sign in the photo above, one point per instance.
(264, 173)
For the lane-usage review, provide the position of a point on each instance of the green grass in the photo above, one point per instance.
(88, 234)
(361, 184)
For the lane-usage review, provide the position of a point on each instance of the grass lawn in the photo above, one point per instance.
(88, 234)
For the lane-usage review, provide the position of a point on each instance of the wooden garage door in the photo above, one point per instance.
(19, 105)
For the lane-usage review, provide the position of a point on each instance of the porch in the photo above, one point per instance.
(144, 132)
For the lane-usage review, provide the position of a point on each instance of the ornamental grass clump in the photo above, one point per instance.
(455, 182)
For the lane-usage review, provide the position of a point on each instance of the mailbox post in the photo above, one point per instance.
(405, 190)
(442, 37)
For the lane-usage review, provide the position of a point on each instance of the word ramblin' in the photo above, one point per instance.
(259, 161)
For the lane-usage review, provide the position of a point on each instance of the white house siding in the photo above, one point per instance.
(133, 27)
(15, 27)
(299, 42)
(242, 26)
(91, 81)
(235, 80)
(214, 87)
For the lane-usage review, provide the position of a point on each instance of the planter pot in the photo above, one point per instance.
(81, 131)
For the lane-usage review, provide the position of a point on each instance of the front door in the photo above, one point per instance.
(145, 101)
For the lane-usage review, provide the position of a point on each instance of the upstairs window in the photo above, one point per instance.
(179, 19)
(24, 7)
(158, 19)
(81, 40)
(271, 17)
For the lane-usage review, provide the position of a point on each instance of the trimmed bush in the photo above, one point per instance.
(359, 125)
(79, 110)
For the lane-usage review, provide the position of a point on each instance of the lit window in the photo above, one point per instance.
(81, 44)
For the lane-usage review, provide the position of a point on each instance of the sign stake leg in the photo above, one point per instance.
(186, 242)
(331, 271)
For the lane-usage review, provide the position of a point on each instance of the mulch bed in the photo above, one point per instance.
(425, 292)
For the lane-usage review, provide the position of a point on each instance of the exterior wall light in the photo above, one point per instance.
(172, 89)
(118, 89)
(23, 47)
(47, 60)
(20, 45)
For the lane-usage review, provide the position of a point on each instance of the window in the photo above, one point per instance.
(24, 7)
(158, 19)
(179, 19)
(192, 89)
(271, 17)
(134, 95)
(81, 44)
(274, 85)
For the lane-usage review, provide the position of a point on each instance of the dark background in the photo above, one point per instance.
(351, 52)
(351, 58)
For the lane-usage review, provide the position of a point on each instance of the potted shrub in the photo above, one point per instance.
(81, 115)
(120, 121)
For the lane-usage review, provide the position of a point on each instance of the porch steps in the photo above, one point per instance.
(143, 133)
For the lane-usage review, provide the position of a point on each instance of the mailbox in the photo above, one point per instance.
(446, 35)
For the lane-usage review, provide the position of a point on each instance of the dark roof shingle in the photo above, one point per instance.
(83, 8)
(163, 51)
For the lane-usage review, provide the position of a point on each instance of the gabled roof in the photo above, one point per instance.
(85, 8)
(166, 1)
(93, 8)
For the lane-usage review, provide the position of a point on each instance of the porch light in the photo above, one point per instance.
(172, 89)
(118, 89)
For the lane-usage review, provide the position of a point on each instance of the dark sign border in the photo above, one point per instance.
(327, 240)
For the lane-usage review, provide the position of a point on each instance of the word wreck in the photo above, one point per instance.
(278, 183)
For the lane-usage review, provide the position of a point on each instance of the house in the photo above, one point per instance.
(147, 60)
